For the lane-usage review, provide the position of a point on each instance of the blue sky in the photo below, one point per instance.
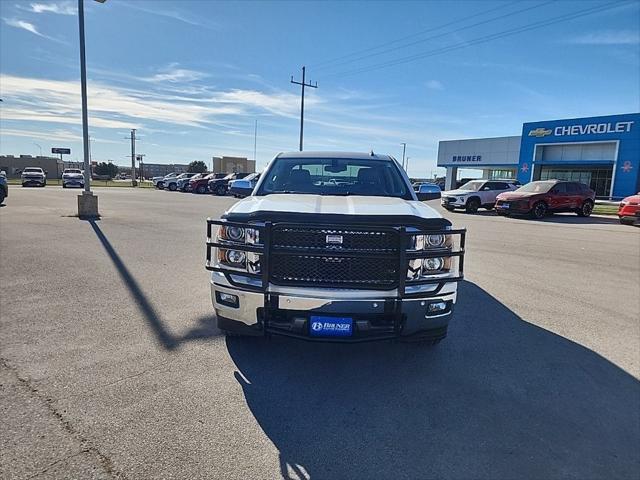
(193, 77)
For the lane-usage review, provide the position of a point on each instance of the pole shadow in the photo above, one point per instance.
(205, 326)
(499, 398)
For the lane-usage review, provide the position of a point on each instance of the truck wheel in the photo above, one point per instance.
(220, 190)
(473, 204)
(160, 185)
(539, 210)
(586, 209)
(201, 189)
(173, 187)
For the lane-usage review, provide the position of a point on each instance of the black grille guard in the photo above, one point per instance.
(403, 255)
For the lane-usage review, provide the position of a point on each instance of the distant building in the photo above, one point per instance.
(150, 170)
(233, 165)
(13, 166)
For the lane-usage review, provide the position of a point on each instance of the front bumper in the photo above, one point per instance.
(262, 304)
(73, 182)
(375, 315)
(33, 181)
(452, 202)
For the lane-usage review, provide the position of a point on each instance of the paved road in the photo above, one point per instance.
(112, 366)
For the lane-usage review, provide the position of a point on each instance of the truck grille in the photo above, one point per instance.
(317, 263)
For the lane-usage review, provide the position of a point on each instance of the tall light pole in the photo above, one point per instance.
(87, 202)
(404, 149)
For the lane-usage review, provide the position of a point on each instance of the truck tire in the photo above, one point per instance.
(201, 189)
(220, 190)
(473, 204)
(586, 209)
(160, 185)
(173, 187)
(539, 210)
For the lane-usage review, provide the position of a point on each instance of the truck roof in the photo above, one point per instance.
(319, 154)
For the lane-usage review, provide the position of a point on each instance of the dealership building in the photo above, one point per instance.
(602, 152)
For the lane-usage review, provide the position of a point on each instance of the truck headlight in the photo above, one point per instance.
(435, 240)
(239, 234)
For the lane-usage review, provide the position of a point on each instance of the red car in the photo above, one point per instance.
(629, 210)
(547, 196)
(199, 184)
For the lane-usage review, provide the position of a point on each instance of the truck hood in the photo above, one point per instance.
(336, 205)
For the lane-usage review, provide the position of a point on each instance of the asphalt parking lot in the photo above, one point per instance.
(112, 366)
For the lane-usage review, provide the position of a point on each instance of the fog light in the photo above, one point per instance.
(437, 307)
(432, 264)
(235, 256)
(228, 299)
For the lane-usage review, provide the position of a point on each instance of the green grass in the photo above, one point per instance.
(94, 183)
(605, 209)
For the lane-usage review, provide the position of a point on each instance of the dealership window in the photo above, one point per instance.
(498, 174)
(598, 179)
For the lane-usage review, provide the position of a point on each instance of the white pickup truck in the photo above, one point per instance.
(334, 246)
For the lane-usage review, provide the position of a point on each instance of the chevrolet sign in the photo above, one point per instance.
(592, 128)
(540, 132)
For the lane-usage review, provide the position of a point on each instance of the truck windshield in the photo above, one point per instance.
(335, 176)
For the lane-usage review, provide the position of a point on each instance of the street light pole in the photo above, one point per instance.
(83, 90)
(87, 202)
(404, 149)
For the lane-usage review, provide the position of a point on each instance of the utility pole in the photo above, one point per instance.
(404, 149)
(302, 84)
(133, 156)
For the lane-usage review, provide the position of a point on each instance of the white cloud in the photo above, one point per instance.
(58, 101)
(175, 75)
(434, 85)
(61, 8)
(619, 37)
(29, 27)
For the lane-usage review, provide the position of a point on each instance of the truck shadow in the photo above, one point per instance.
(500, 398)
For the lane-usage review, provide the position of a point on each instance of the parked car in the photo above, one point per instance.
(201, 184)
(242, 187)
(171, 183)
(475, 194)
(4, 186)
(184, 184)
(158, 182)
(629, 209)
(72, 177)
(427, 191)
(547, 196)
(33, 176)
(220, 186)
(315, 253)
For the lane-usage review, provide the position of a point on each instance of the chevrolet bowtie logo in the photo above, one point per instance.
(540, 132)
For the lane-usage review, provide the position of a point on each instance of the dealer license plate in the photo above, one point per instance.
(503, 205)
(330, 326)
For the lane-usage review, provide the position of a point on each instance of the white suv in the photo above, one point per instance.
(33, 176)
(476, 193)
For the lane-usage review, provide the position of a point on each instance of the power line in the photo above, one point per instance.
(478, 40)
(444, 34)
(322, 64)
